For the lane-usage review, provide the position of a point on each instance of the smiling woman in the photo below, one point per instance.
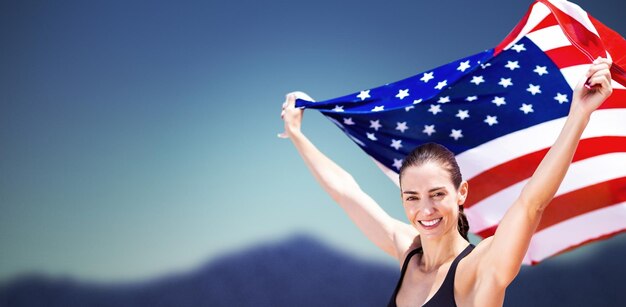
(433, 194)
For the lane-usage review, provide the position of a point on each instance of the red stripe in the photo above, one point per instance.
(578, 202)
(617, 100)
(549, 21)
(506, 174)
(588, 42)
(616, 45)
(567, 56)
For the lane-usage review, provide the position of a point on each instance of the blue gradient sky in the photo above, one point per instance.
(138, 138)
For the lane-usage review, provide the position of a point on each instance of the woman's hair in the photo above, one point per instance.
(433, 152)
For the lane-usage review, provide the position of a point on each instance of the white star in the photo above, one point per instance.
(435, 108)
(505, 82)
(441, 84)
(463, 66)
(375, 124)
(409, 108)
(364, 95)
(512, 65)
(561, 98)
(401, 126)
(518, 47)
(533, 89)
(471, 98)
(427, 77)
(463, 114)
(378, 108)
(526, 108)
(397, 163)
(456, 134)
(491, 120)
(338, 109)
(417, 101)
(371, 136)
(484, 66)
(498, 100)
(429, 129)
(541, 70)
(348, 121)
(444, 99)
(397, 144)
(403, 93)
(477, 80)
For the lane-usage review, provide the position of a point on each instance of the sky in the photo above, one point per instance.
(138, 138)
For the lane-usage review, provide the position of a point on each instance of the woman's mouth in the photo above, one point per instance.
(430, 223)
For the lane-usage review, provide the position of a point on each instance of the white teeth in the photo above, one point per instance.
(431, 222)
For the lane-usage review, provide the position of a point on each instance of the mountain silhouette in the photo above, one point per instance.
(301, 271)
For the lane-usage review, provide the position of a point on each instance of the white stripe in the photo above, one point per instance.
(576, 230)
(549, 38)
(575, 12)
(605, 122)
(488, 212)
(574, 74)
(538, 13)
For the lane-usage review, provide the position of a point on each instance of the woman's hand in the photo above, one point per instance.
(596, 88)
(291, 115)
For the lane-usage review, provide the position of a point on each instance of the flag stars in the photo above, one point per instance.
(491, 120)
(456, 134)
(512, 65)
(371, 136)
(417, 101)
(429, 129)
(397, 163)
(477, 80)
(462, 114)
(541, 70)
(409, 108)
(498, 100)
(440, 85)
(348, 121)
(534, 89)
(463, 66)
(435, 108)
(403, 93)
(505, 82)
(561, 98)
(364, 95)
(484, 66)
(397, 144)
(471, 98)
(444, 99)
(401, 126)
(518, 47)
(378, 108)
(375, 124)
(338, 109)
(526, 108)
(427, 77)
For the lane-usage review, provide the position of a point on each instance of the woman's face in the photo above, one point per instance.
(430, 199)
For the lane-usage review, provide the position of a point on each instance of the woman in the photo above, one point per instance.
(439, 266)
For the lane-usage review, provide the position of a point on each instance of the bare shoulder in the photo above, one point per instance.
(406, 239)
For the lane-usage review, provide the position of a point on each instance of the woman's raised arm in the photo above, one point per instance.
(504, 252)
(391, 235)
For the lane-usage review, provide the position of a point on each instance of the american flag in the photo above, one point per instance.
(499, 111)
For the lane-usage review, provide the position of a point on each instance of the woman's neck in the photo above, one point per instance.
(439, 250)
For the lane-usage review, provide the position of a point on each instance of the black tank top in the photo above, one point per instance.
(445, 295)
